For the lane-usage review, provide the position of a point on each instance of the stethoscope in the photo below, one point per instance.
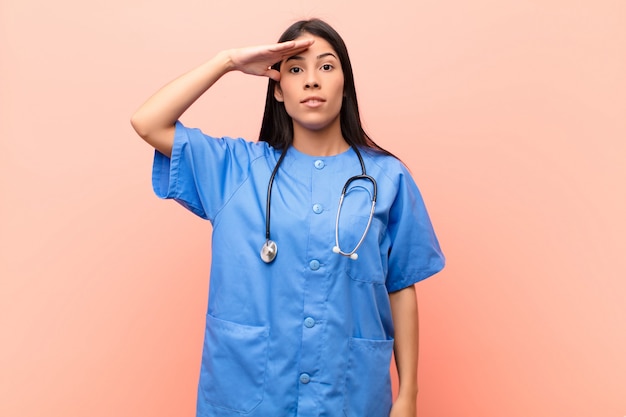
(270, 249)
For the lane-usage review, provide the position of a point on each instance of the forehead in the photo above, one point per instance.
(319, 47)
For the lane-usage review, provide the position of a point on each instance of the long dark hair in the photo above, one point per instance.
(277, 126)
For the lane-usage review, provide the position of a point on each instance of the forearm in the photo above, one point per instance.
(154, 120)
(405, 319)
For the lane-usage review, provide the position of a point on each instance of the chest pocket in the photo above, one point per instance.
(371, 263)
(370, 266)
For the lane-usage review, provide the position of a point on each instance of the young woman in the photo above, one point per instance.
(318, 238)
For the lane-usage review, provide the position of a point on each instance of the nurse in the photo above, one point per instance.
(300, 328)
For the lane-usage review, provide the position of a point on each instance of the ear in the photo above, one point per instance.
(278, 93)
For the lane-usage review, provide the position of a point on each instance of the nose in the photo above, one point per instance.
(311, 84)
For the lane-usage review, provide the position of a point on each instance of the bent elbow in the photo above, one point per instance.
(160, 138)
(139, 126)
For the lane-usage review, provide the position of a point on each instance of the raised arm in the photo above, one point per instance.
(154, 121)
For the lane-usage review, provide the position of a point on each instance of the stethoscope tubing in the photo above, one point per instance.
(337, 249)
(268, 201)
(270, 249)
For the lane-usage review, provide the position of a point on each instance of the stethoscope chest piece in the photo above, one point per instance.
(268, 251)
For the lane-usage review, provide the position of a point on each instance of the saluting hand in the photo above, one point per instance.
(155, 120)
(257, 60)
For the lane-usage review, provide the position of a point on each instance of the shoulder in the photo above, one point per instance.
(385, 167)
(198, 139)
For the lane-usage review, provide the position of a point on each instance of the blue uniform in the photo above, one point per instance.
(310, 334)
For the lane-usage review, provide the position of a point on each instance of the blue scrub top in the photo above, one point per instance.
(310, 334)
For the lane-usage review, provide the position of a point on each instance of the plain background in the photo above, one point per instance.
(510, 115)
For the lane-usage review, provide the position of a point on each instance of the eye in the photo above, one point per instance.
(327, 67)
(295, 70)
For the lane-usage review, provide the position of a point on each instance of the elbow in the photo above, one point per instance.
(160, 138)
(140, 127)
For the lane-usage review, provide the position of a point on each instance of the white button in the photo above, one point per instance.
(319, 164)
(317, 208)
(309, 322)
(305, 378)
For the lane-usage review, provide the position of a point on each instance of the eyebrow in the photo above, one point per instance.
(320, 56)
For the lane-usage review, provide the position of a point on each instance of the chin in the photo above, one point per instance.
(317, 125)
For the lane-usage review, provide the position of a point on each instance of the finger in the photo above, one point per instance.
(273, 74)
(289, 46)
(300, 46)
(305, 43)
(293, 48)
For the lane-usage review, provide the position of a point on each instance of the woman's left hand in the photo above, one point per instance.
(403, 407)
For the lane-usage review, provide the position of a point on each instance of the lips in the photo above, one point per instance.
(313, 101)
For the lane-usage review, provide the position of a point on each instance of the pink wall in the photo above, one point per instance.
(510, 115)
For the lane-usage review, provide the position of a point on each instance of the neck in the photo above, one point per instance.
(324, 142)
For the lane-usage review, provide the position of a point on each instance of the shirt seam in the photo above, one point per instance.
(234, 193)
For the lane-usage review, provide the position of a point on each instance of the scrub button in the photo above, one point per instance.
(317, 208)
(314, 265)
(319, 164)
(305, 378)
(309, 322)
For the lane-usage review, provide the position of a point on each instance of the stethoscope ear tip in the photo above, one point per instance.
(354, 256)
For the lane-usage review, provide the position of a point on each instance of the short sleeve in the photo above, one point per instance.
(415, 253)
(203, 172)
